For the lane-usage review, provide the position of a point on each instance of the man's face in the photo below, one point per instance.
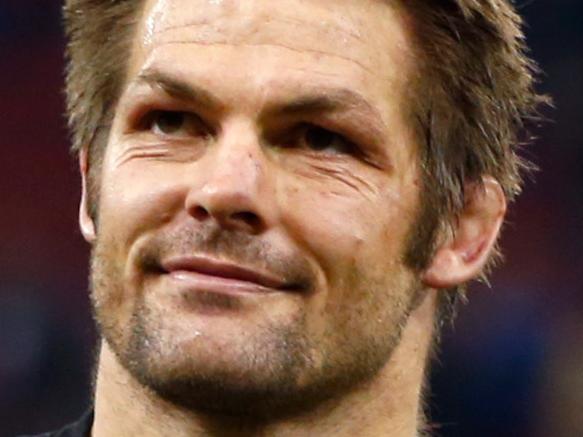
(257, 193)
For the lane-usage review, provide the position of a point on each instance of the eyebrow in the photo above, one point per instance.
(179, 89)
(325, 100)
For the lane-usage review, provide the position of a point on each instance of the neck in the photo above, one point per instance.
(389, 405)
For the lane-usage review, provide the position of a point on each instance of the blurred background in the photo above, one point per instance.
(511, 366)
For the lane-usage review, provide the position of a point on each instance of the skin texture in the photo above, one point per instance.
(245, 174)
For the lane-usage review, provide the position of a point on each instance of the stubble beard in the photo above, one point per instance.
(278, 372)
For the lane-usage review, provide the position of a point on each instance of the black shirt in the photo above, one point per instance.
(81, 428)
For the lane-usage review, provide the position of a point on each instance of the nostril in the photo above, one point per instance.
(200, 213)
(247, 217)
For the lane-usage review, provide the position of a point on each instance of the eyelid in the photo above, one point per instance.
(142, 104)
(361, 149)
(350, 146)
(143, 120)
(146, 121)
(353, 146)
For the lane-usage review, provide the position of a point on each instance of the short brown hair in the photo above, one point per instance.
(474, 96)
(474, 92)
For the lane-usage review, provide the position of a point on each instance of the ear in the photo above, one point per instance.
(463, 255)
(86, 223)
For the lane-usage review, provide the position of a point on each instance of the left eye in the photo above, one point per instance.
(320, 140)
(167, 123)
(174, 123)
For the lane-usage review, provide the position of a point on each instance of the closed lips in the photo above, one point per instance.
(221, 269)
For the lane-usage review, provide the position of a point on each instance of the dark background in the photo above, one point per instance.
(511, 366)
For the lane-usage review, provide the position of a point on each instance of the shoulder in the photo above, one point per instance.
(81, 428)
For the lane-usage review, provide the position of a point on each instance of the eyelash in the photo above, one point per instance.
(147, 121)
(301, 132)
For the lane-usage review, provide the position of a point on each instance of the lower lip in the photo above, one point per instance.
(215, 284)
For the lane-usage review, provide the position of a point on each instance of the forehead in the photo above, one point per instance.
(363, 40)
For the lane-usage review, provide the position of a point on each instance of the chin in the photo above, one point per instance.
(260, 374)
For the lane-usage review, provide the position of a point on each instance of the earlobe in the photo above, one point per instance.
(463, 255)
(86, 223)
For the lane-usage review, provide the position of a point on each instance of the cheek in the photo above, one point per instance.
(111, 298)
(136, 199)
(344, 226)
(358, 242)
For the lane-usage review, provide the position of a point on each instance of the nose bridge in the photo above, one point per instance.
(239, 159)
(235, 189)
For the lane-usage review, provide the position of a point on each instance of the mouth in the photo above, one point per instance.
(224, 274)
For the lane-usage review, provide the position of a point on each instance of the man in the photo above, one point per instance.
(284, 200)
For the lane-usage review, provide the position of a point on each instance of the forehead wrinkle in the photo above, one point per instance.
(328, 28)
(275, 45)
(328, 74)
(321, 38)
(252, 21)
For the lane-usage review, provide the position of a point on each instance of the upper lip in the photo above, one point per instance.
(223, 269)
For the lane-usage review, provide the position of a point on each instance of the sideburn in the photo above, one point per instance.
(95, 156)
(421, 242)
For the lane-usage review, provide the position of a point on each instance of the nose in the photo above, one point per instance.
(234, 189)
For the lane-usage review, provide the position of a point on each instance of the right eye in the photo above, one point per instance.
(174, 123)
